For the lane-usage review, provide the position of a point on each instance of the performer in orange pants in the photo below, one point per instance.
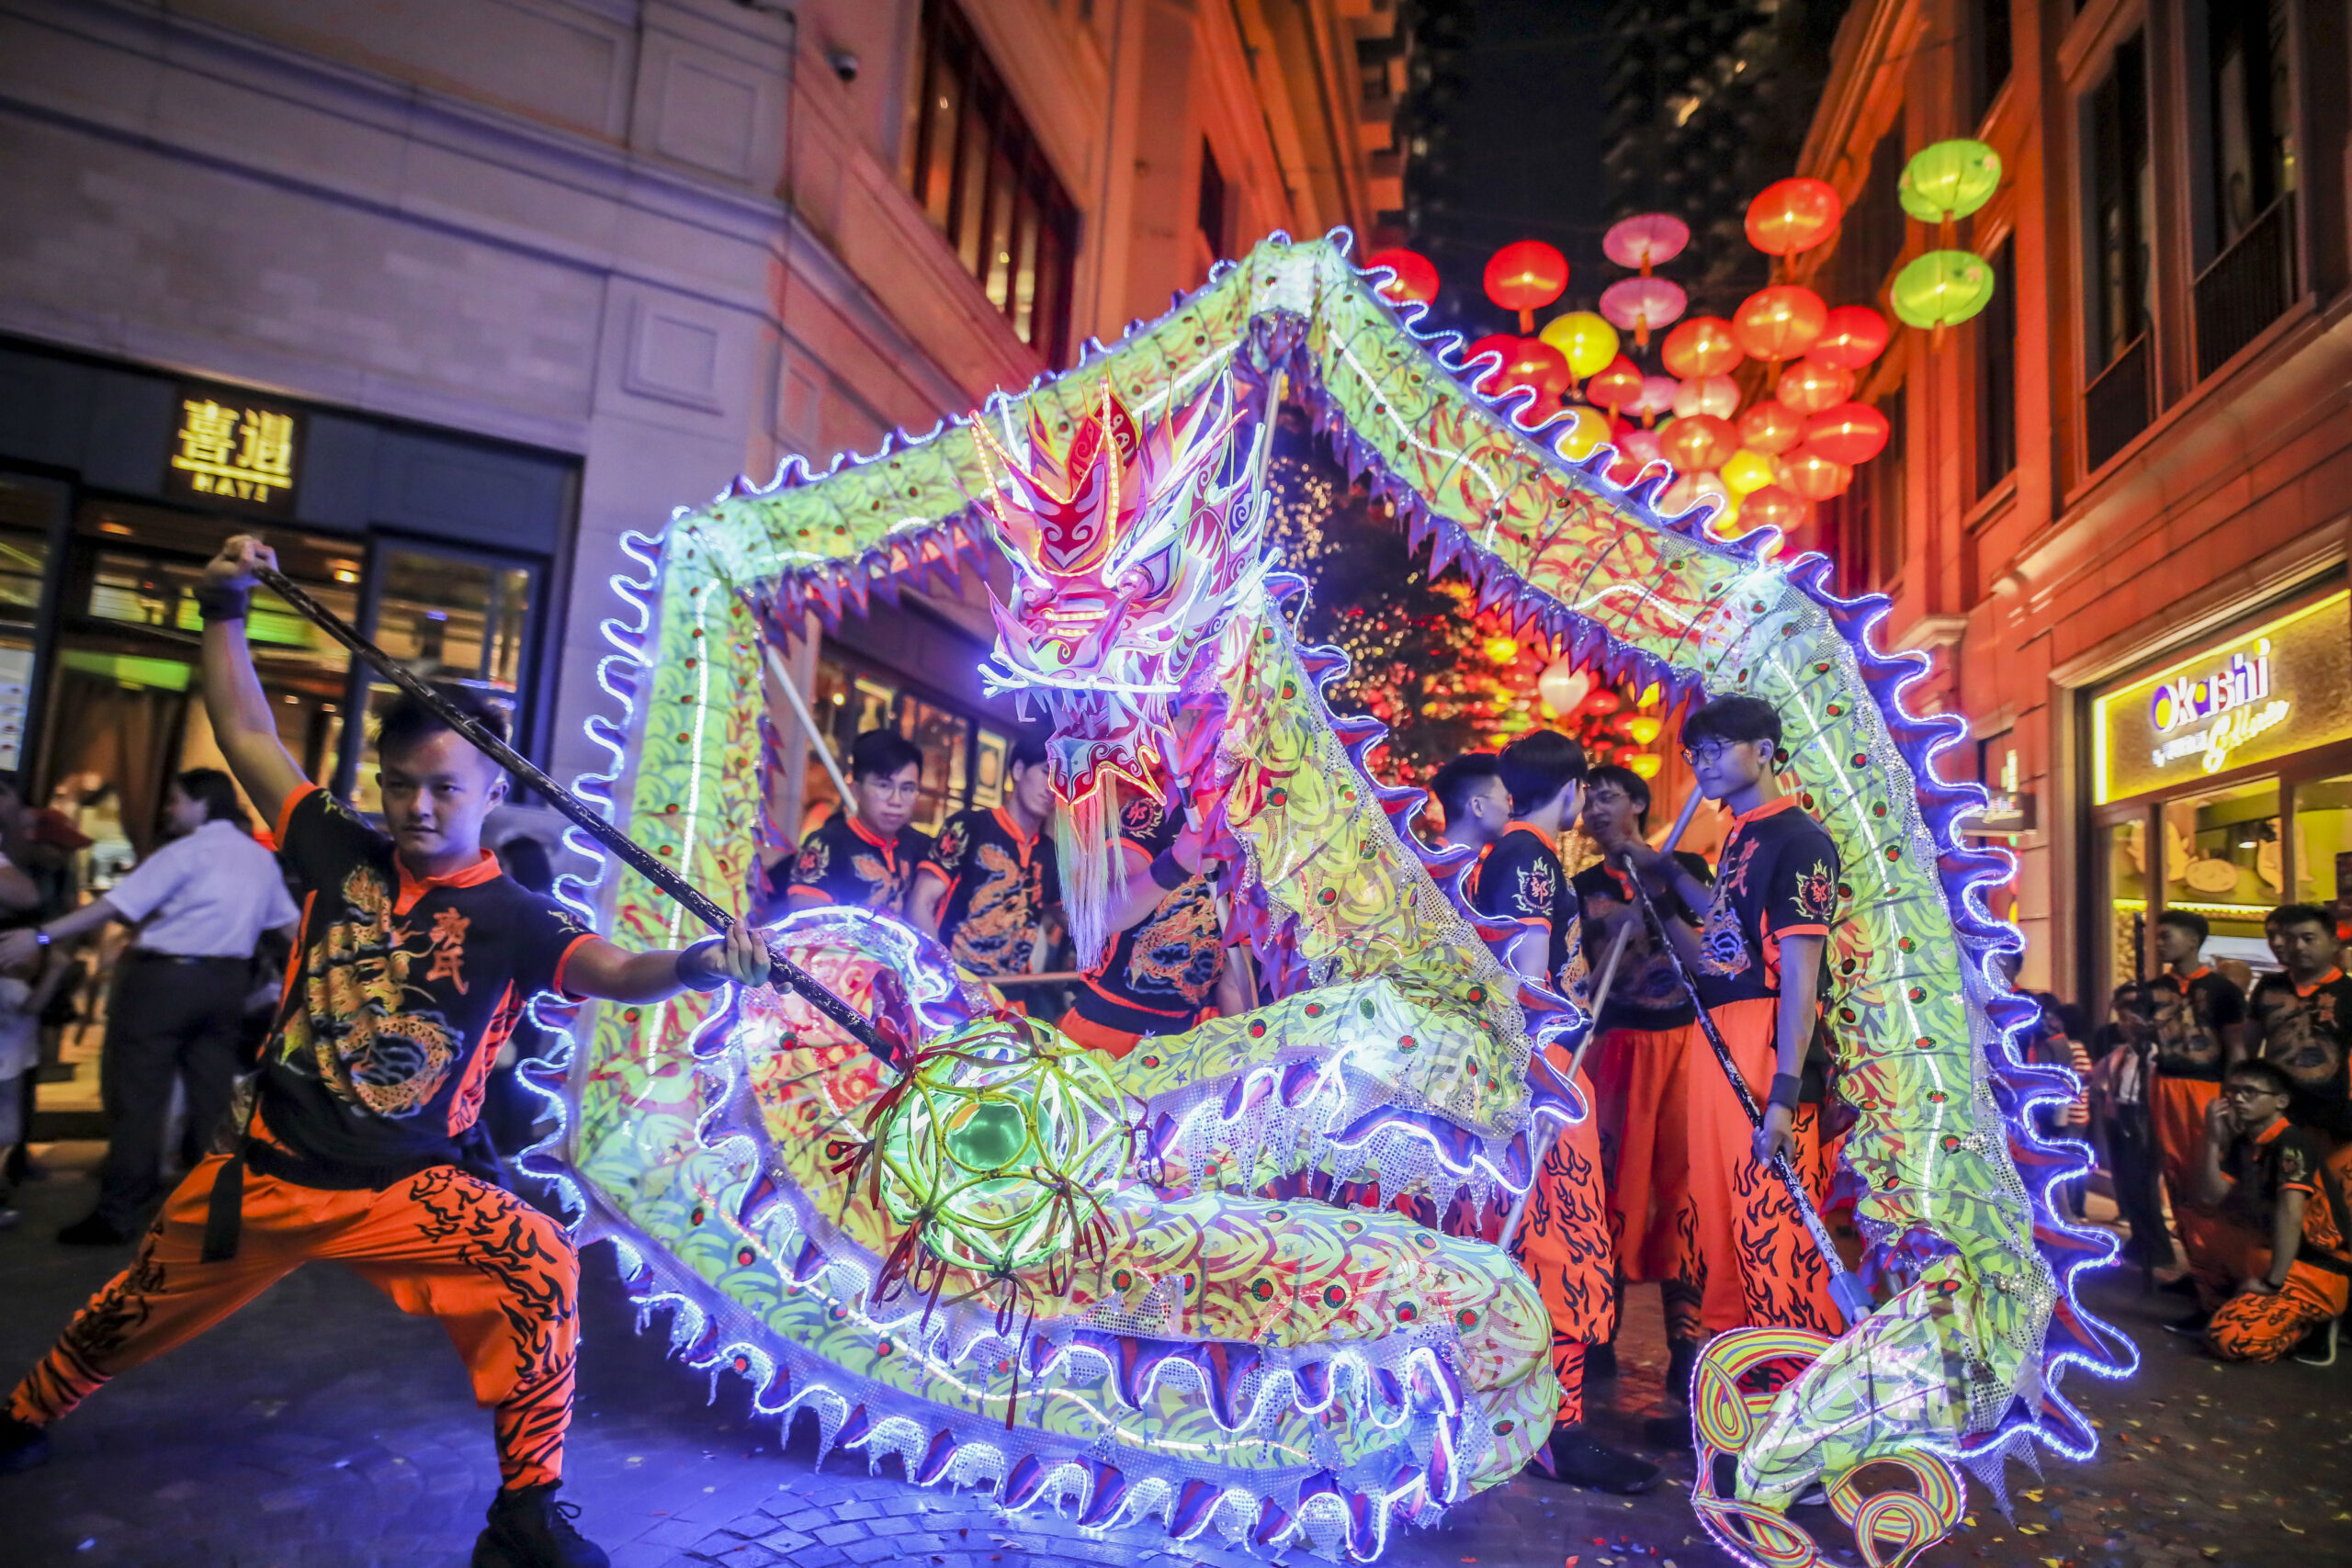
(1641, 1080)
(501, 1276)
(1758, 1263)
(1756, 954)
(1563, 1245)
(411, 965)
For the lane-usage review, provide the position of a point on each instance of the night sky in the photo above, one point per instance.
(1529, 136)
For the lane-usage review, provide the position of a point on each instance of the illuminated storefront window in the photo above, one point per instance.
(2221, 783)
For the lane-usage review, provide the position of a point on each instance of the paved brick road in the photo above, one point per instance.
(320, 1429)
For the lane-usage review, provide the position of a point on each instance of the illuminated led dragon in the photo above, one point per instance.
(1283, 1338)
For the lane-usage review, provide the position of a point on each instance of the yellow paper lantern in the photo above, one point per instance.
(1646, 763)
(1587, 341)
(1588, 429)
(1745, 471)
(1644, 728)
(1501, 651)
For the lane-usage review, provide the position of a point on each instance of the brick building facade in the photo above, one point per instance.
(493, 282)
(2115, 504)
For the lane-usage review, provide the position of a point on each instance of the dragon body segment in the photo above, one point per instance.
(1270, 1347)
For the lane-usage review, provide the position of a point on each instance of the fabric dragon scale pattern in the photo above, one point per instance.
(1271, 1350)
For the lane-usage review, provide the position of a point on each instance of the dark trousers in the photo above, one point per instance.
(2138, 1170)
(166, 1019)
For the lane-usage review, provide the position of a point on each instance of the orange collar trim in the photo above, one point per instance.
(2271, 1132)
(413, 887)
(857, 825)
(1549, 842)
(2327, 979)
(2185, 981)
(1772, 808)
(1013, 830)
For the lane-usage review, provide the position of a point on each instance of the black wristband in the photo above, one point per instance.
(1786, 1087)
(216, 603)
(1166, 872)
(693, 969)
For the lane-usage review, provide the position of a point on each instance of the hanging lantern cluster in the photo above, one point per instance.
(1799, 442)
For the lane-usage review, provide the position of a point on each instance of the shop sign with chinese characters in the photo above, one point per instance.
(235, 450)
(2282, 687)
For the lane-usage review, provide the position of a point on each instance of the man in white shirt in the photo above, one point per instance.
(201, 904)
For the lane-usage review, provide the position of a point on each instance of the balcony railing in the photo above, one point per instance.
(2248, 286)
(2118, 403)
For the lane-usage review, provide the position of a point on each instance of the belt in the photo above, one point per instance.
(151, 955)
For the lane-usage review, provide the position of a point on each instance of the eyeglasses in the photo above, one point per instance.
(2250, 1091)
(1712, 752)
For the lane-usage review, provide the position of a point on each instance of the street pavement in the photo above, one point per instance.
(321, 1429)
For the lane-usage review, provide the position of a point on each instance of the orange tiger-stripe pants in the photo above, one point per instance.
(501, 1276)
(1761, 1269)
(1562, 1243)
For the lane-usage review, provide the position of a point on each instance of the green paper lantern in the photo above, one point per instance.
(1000, 1146)
(1949, 180)
(1942, 288)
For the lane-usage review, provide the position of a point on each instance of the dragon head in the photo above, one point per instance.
(1131, 549)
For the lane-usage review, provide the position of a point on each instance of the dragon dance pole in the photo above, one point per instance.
(1853, 1301)
(1592, 1031)
(781, 970)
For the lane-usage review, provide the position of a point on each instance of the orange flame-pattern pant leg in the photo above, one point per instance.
(2176, 1107)
(501, 1276)
(1641, 1080)
(1562, 1243)
(2254, 1327)
(1760, 1266)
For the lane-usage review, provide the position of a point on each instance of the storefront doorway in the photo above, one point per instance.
(123, 711)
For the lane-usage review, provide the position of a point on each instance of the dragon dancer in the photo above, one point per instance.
(1641, 1070)
(1757, 958)
(1564, 1241)
(985, 887)
(415, 960)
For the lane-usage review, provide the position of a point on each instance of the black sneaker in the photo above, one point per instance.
(1573, 1456)
(528, 1529)
(1669, 1428)
(92, 1230)
(2189, 1327)
(2319, 1348)
(23, 1446)
(1600, 1361)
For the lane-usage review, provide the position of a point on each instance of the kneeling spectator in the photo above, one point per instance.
(2279, 1264)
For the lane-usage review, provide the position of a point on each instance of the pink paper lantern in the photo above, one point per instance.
(1657, 396)
(1650, 240)
(1642, 304)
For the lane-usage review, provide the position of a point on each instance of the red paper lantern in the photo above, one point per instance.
(1615, 387)
(1536, 364)
(1416, 277)
(1642, 446)
(1793, 215)
(1700, 443)
(1772, 428)
(1815, 476)
(1810, 387)
(1526, 276)
(1774, 506)
(1779, 323)
(1851, 335)
(1503, 344)
(1703, 346)
(1602, 701)
(1849, 434)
